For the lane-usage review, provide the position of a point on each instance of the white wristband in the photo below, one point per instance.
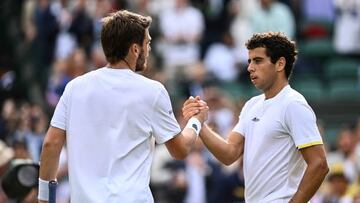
(43, 190)
(194, 124)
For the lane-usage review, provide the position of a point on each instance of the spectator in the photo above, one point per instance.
(182, 27)
(345, 153)
(347, 27)
(47, 29)
(273, 16)
(221, 59)
(82, 27)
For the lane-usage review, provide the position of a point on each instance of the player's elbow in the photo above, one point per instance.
(52, 144)
(230, 156)
(180, 154)
(178, 147)
(227, 161)
(179, 157)
(49, 145)
(321, 166)
(54, 139)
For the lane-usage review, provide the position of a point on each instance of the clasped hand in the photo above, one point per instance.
(195, 107)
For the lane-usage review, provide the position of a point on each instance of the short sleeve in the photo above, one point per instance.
(300, 120)
(60, 118)
(164, 124)
(240, 126)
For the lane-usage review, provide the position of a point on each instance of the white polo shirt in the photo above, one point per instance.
(111, 117)
(274, 130)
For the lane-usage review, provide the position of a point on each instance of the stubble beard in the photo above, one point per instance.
(140, 62)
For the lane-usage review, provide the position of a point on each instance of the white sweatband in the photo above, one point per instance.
(194, 124)
(43, 190)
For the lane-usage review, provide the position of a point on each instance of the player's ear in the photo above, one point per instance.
(134, 50)
(280, 64)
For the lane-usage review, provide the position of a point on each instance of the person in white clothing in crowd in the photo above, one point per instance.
(110, 119)
(276, 135)
(181, 27)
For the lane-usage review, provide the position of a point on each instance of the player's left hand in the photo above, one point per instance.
(193, 106)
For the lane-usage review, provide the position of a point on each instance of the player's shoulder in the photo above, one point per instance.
(148, 87)
(83, 78)
(294, 100)
(293, 95)
(150, 83)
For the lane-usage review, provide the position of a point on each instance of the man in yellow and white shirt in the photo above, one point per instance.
(283, 154)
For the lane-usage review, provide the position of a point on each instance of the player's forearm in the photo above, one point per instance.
(189, 140)
(180, 146)
(49, 162)
(311, 181)
(48, 169)
(217, 145)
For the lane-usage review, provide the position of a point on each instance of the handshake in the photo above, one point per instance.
(196, 108)
(195, 111)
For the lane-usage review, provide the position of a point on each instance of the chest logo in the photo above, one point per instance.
(255, 119)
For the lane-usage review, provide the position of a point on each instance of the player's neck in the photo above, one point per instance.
(275, 88)
(122, 64)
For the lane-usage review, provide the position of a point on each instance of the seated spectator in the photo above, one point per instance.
(347, 27)
(221, 59)
(273, 16)
(181, 27)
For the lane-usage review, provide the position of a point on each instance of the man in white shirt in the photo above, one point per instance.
(283, 154)
(110, 119)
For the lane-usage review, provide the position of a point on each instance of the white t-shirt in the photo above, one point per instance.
(111, 117)
(274, 130)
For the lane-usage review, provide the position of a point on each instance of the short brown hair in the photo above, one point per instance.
(119, 31)
(277, 45)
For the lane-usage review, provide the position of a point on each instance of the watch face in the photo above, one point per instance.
(28, 175)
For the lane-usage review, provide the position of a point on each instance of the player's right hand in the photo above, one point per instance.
(194, 106)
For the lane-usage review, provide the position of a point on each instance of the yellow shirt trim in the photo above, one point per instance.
(309, 144)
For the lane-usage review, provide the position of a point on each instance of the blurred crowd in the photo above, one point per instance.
(198, 48)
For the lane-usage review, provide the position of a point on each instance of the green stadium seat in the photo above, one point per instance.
(344, 89)
(311, 88)
(298, 77)
(234, 90)
(330, 137)
(344, 68)
(316, 48)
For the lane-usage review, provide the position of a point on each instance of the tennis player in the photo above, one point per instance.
(283, 153)
(110, 119)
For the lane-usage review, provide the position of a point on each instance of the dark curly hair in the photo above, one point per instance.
(119, 31)
(277, 45)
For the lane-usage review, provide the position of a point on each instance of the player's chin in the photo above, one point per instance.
(258, 86)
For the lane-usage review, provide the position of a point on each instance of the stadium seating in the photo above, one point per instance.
(344, 89)
(342, 68)
(317, 48)
(311, 88)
